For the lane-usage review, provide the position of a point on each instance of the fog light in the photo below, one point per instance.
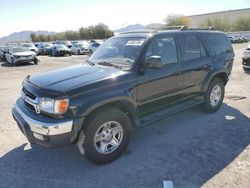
(38, 136)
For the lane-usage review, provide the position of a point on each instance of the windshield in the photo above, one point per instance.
(61, 46)
(119, 51)
(27, 45)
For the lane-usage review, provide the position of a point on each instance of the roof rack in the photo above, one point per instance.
(139, 31)
(198, 28)
(177, 27)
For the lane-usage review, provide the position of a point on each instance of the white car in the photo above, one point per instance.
(30, 46)
(93, 46)
(18, 55)
(80, 48)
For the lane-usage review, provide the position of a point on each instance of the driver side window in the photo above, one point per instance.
(165, 47)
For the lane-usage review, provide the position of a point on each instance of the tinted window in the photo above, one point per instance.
(192, 48)
(165, 47)
(219, 43)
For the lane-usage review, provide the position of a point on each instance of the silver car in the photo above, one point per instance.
(80, 48)
(30, 46)
(18, 55)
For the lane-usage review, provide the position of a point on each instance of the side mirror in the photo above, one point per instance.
(153, 62)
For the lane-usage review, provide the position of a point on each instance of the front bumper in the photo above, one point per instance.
(246, 63)
(46, 131)
(19, 61)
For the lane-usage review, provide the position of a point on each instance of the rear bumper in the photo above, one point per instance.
(45, 131)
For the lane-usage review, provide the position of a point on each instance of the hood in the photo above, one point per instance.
(66, 79)
(24, 53)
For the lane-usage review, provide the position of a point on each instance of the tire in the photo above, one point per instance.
(88, 143)
(13, 62)
(217, 89)
(35, 61)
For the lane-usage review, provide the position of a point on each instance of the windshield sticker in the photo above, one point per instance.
(135, 42)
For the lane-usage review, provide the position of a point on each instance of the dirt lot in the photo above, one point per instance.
(191, 148)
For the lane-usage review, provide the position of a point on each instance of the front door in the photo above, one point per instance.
(160, 87)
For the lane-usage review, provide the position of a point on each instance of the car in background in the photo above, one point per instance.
(237, 39)
(3, 50)
(44, 48)
(93, 47)
(30, 46)
(60, 50)
(80, 48)
(246, 59)
(66, 43)
(19, 54)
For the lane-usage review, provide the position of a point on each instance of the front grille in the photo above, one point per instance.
(29, 106)
(29, 94)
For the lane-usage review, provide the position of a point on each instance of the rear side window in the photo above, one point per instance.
(219, 42)
(192, 48)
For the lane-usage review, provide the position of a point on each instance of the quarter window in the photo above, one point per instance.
(165, 47)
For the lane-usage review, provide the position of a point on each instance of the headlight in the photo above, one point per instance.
(54, 106)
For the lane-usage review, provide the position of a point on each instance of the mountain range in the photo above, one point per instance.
(24, 36)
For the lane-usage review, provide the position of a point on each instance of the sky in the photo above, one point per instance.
(61, 15)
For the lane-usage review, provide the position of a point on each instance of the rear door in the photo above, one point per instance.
(195, 61)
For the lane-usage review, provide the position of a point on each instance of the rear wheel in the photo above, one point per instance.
(214, 95)
(105, 136)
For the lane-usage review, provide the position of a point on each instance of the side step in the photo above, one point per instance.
(156, 116)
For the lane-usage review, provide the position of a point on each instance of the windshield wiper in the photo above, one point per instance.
(89, 62)
(110, 64)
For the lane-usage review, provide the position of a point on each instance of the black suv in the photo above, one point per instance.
(132, 80)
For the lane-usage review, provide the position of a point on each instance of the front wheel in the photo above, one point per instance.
(106, 136)
(214, 95)
(35, 61)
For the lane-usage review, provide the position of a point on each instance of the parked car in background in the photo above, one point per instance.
(18, 55)
(93, 47)
(3, 51)
(44, 48)
(66, 43)
(246, 59)
(80, 48)
(30, 46)
(237, 39)
(60, 50)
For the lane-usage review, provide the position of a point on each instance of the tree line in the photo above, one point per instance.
(99, 31)
(242, 23)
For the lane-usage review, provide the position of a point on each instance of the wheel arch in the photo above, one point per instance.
(122, 103)
(221, 74)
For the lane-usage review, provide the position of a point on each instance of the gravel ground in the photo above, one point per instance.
(191, 148)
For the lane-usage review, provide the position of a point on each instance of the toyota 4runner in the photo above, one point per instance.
(131, 80)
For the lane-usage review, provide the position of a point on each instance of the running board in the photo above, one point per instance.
(159, 115)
